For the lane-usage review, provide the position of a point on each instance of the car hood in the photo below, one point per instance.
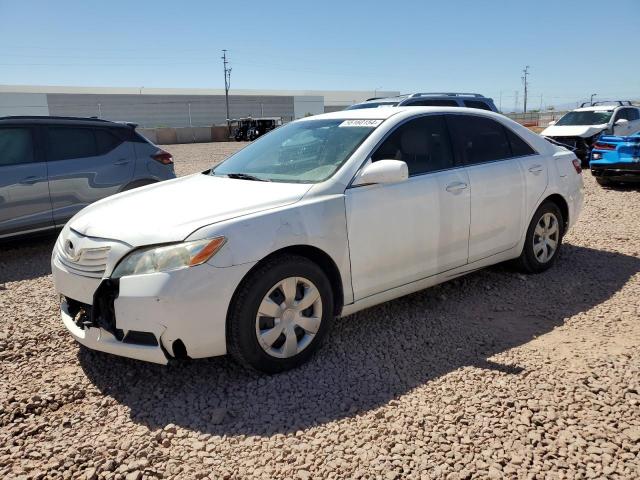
(170, 211)
(584, 131)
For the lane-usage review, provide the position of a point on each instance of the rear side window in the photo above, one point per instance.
(67, 143)
(433, 103)
(106, 141)
(478, 139)
(477, 104)
(519, 148)
(16, 146)
(423, 143)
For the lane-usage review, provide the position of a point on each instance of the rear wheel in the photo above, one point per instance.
(603, 181)
(280, 314)
(543, 240)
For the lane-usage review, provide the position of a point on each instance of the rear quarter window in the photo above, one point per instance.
(477, 104)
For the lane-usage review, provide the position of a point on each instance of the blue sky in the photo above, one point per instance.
(574, 48)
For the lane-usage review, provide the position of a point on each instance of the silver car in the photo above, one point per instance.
(52, 167)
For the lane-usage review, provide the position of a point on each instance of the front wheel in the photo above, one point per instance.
(280, 314)
(543, 240)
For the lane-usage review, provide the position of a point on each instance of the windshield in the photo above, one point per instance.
(309, 151)
(360, 106)
(586, 118)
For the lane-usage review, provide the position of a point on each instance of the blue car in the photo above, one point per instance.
(616, 159)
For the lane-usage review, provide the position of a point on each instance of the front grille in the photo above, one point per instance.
(88, 262)
(570, 141)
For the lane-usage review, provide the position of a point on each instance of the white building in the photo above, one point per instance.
(173, 107)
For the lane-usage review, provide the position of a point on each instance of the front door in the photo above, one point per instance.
(25, 205)
(401, 233)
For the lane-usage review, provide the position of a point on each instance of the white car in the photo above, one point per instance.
(320, 218)
(580, 128)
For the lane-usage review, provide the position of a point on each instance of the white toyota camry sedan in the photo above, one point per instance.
(320, 218)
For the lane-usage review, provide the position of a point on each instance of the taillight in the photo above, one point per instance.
(604, 146)
(163, 157)
(577, 166)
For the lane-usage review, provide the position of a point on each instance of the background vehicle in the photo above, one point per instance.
(616, 159)
(251, 128)
(258, 255)
(52, 167)
(580, 128)
(447, 99)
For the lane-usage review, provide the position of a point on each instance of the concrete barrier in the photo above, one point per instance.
(149, 134)
(166, 136)
(171, 135)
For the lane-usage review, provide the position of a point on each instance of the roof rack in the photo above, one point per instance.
(620, 103)
(447, 94)
(52, 117)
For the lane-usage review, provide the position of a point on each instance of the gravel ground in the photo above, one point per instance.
(494, 375)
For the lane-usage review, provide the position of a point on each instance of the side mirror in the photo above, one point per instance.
(551, 123)
(383, 171)
(621, 121)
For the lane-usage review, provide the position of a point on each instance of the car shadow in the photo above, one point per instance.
(371, 357)
(25, 259)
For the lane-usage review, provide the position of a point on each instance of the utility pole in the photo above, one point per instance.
(591, 100)
(516, 100)
(227, 85)
(525, 81)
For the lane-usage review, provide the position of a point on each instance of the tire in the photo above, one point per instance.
(534, 258)
(602, 181)
(283, 343)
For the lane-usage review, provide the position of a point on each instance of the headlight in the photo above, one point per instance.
(168, 257)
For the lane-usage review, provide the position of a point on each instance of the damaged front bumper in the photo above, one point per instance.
(153, 317)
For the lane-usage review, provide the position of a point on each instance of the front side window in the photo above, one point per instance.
(308, 151)
(16, 146)
(423, 144)
(634, 114)
(586, 118)
(66, 143)
(478, 139)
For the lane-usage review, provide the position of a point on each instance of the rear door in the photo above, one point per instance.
(85, 164)
(497, 184)
(24, 194)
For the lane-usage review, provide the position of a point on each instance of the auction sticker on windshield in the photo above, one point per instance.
(360, 123)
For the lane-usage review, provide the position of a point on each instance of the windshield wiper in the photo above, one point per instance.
(246, 176)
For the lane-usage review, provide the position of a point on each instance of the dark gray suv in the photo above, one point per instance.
(431, 99)
(52, 167)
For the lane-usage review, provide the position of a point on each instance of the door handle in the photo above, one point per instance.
(536, 169)
(122, 161)
(30, 180)
(456, 187)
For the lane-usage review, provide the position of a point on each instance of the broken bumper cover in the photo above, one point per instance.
(99, 339)
(147, 316)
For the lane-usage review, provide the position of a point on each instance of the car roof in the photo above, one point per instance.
(53, 120)
(383, 113)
